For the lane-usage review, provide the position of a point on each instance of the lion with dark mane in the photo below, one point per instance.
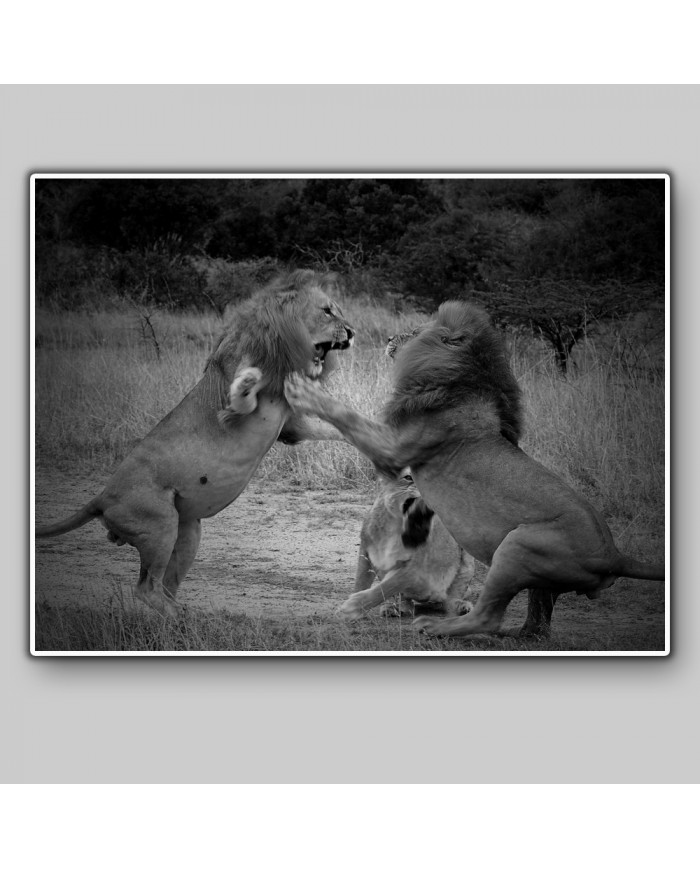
(454, 418)
(201, 456)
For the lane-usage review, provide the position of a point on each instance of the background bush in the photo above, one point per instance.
(549, 255)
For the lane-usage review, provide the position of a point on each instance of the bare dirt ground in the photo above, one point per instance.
(268, 553)
(288, 553)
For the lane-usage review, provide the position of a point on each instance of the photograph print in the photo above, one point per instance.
(349, 414)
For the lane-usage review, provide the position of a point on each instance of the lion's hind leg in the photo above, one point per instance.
(540, 604)
(189, 534)
(365, 573)
(156, 550)
(484, 618)
(506, 577)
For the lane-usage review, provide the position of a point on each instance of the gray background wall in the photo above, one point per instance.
(347, 719)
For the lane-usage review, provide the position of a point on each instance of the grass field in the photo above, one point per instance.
(104, 378)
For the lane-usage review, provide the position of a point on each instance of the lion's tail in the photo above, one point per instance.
(634, 569)
(81, 517)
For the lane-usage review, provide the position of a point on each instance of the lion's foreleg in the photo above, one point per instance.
(365, 573)
(378, 441)
(375, 440)
(304, 428)
(318, 430)
(362, 601)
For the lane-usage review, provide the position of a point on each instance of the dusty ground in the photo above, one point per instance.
(266, 553)
(288, 553)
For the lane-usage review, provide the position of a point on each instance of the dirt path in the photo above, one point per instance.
(268, 552)
(280, 554)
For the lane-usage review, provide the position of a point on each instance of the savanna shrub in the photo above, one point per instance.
(439, 260)
(227, 283)
(155, 276)
(72, 277)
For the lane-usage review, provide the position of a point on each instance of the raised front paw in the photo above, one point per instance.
(242, 392)
(303, 395)
(242, 395)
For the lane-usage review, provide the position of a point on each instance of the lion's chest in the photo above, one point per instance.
(218, 471)
(213, 486)
(384, 554)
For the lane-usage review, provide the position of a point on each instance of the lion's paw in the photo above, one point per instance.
(396, 609)
(242, 393)
(349, 610)
(427, 625)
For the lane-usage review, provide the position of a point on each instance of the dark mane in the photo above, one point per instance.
(267, 330)
(456, 358)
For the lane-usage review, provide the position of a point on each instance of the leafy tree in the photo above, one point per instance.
(138, 213)
(245, 232)
(481, 196)
(373, 212)
(438, 260)
(599, 230)
(562, 311)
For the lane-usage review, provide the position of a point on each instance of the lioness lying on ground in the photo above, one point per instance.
(416, 560)
(453, 418)
(200, 457)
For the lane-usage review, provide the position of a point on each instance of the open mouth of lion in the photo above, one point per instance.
(322, 349)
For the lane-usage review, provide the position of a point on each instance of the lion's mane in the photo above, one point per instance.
(456, 358)
(267, 331)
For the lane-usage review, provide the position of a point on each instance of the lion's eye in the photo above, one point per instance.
(328, 311)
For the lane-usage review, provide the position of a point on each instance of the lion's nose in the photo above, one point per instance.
(344, 343)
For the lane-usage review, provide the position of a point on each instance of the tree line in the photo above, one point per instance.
(536, 252)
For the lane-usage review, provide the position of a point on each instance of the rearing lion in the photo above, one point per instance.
(201, 456)
(453, 418)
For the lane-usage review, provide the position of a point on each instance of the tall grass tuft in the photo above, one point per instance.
(101, 385)
(602, 429)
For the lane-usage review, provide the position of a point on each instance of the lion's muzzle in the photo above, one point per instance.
(343, 338)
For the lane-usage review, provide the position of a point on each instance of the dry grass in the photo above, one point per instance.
(608, 625)
(103, 380)
(101, 385)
